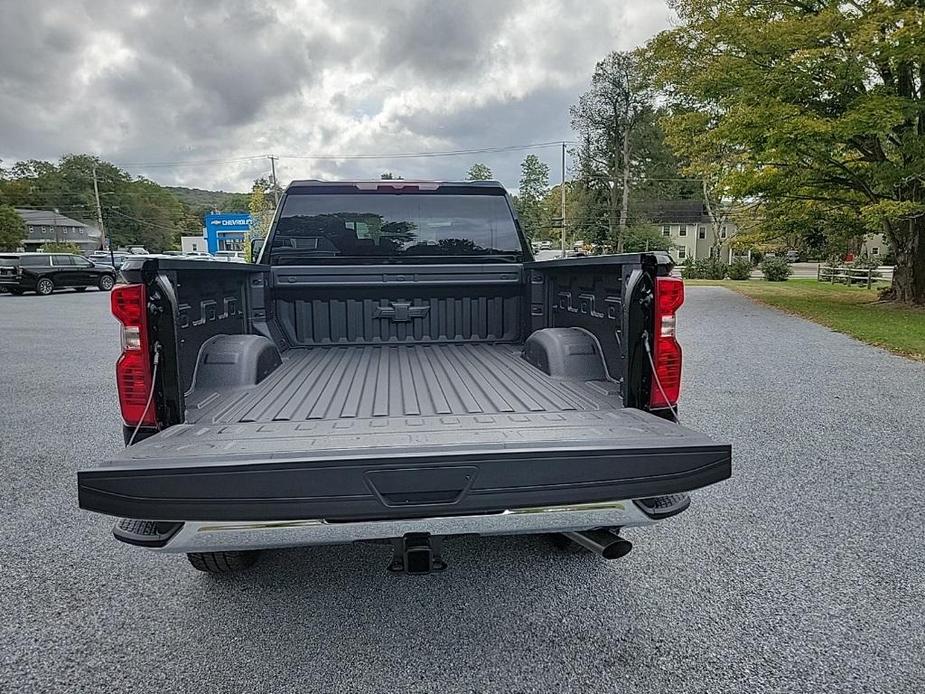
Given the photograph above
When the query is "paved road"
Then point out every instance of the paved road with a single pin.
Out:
(803, 573)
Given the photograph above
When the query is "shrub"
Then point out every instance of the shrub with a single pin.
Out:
(740, 269)
(688, 271)
(711, 268)
(54, 247)
(776, 269)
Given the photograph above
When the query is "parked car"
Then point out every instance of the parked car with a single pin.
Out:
(199, 255)
(114, 259)
(230, 256)
(43, 273)
(397, 387)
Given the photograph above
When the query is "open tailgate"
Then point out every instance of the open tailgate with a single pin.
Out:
(401, 467)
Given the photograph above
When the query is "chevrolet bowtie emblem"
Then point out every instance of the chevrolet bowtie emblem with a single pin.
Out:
(401, 312)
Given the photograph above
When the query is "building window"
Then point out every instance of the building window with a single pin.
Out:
(682, 231)
(682, 253)
(666, 230)
(722, 233)
(702, 233)
(875, 251)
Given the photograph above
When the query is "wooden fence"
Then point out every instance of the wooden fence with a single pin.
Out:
(853, 275)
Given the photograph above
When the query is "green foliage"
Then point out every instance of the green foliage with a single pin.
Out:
(740, 269)
(704, 269)
(54, 247)
(775, 269)
(815, 110)
(12, 228)
(136, 212)
(389, 176)
(645, 238)
(534, 184)
(479, 172)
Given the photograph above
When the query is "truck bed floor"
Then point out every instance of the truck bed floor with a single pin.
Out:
(402, 381)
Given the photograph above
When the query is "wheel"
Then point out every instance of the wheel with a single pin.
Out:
(44, 286)
(106, 282)
(80, 289)
(222, 562)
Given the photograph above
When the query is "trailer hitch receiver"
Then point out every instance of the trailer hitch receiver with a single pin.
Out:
(416, 554)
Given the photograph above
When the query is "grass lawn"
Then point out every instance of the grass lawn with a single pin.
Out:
(850, 310)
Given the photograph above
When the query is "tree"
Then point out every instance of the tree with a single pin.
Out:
(534, 183)
(815, 108)
(644, 237)
(479, 172)
(389, 176)
(12, 228)
(606, 118)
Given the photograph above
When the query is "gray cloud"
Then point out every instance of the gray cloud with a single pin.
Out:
(220, 79)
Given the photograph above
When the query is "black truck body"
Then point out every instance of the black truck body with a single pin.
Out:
(317, 386)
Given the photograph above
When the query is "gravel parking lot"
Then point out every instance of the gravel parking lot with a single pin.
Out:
(802, 573)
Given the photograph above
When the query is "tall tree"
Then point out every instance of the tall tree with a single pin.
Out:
(815, 109)
(606, 118)
(479, 172)
(12, 229)
(534, 184)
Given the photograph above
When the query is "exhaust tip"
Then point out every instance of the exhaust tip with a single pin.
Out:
(616, 549)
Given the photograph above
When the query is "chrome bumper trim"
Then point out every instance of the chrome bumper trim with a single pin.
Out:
(214, 536)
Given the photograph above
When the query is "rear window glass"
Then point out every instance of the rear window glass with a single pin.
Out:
(373, 225)
(33, 260)
(8, 261)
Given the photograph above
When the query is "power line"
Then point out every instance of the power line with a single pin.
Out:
(424, 155)
(393, 155)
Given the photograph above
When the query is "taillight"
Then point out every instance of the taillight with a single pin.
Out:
(666, 352)
(133, 369)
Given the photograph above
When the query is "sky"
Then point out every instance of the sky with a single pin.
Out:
(197, 93)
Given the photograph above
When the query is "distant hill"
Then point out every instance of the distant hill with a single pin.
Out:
(199, 199)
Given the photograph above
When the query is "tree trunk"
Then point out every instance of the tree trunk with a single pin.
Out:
(625, 201)
(909, 272)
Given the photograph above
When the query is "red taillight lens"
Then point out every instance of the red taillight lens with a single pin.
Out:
(669, 295)
(133, 369)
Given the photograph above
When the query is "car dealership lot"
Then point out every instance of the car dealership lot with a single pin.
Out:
(803, 572)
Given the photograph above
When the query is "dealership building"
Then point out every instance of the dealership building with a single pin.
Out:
(220, 232)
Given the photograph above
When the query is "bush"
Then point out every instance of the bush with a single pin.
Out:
(688, 271)
(53, 247)
(740, 269)
(776, 269)
(711, 268)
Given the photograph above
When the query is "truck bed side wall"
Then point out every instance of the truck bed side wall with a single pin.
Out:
(608, 296)
(189, 303)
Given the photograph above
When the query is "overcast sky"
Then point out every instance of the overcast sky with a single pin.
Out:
(208, 81)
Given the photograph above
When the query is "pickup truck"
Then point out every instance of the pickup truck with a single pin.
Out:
(396, 368)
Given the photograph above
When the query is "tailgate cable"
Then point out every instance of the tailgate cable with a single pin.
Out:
(645, 342)
(157, 359)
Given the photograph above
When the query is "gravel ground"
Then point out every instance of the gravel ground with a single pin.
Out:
(802, 573)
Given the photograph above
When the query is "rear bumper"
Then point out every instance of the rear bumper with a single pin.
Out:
(200, 536)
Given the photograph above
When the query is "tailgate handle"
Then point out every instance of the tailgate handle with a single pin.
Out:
(421, 486)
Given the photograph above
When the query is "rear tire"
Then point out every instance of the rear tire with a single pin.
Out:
(222, 562)
(106, 282)
(44, 286)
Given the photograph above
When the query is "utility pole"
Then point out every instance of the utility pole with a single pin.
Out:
(562, 199)
(99, 218)
(273, 178)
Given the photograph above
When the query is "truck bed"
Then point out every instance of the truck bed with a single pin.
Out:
(361, 383)
(379, 432)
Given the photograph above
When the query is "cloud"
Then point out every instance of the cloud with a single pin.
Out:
(142, 81)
